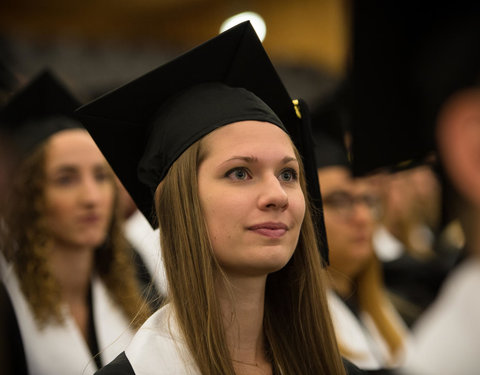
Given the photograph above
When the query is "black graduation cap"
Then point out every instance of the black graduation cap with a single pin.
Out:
(408, 58)
(43, 107)
(330, 127)
(143, 126)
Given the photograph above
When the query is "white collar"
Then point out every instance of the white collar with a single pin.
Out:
(387, 247)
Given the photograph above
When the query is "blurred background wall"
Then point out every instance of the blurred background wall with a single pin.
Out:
(97, 45)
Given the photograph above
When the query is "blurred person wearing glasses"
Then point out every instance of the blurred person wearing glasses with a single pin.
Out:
(369, 331)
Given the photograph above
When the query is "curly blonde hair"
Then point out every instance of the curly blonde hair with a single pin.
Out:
(27, 241)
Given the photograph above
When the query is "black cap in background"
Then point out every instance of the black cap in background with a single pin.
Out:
(408, 58)
(330, 128)
(40, 109)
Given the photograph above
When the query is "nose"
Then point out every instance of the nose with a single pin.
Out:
(90, 193)
(362, 213)
(272, 194)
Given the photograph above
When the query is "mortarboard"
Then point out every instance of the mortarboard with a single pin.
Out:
(40, 109)
(407, 60)
(329, 127)
(144, 126)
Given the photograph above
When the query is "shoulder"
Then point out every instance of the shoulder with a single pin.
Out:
(159, 347)
(351, 369)
(119, 366)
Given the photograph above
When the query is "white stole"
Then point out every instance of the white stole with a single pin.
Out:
(158, 347)
(61, 349)
(369, 350)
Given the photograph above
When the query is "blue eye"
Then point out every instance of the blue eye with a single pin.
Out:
(288, 175)
(238, 173)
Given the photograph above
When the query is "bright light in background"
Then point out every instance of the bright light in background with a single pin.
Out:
(255, 19)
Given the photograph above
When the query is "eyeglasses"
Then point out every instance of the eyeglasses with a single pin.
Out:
(344, 203)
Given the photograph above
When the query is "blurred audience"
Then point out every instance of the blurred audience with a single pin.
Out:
(416, 74)
(71, 289)
(448, 334)
(414, 260)
(370, 332)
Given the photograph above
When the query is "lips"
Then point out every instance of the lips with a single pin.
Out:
(362, 238)
(272, 230)
(89, 219)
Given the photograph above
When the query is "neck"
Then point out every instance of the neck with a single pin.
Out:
(73, 269)
(243, 309)
(342, 284)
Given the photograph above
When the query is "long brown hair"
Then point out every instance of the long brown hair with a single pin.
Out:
(298, 329)
(27, 241)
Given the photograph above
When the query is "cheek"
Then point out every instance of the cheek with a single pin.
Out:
(336, 230)
(298, 205)
(109, 197)
(57, 206)
(220, 213)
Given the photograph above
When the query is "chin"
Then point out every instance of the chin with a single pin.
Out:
(273, 265)
(92, 239)
(259, 268)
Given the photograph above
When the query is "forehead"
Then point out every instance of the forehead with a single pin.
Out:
(331, 178)
(73, 147)
(246, 137)
(339, 178)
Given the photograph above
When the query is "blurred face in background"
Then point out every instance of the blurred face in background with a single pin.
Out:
(79, 190)
(350, 208)
(458, 140)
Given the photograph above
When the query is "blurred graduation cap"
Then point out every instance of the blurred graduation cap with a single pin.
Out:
(43, 107)
(8, 82)
(329, 128)
(407, 60)
(145, 125)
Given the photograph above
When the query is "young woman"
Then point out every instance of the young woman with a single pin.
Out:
(69, 278)
(246, 287)
(369, 331)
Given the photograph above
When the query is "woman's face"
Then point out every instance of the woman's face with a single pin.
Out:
(251, 197)
(79, 190)
(349, 206)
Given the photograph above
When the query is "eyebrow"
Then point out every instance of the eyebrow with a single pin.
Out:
(253, 159)
(68, 168)
(65, 169)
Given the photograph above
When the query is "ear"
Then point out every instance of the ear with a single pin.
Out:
(458, 140)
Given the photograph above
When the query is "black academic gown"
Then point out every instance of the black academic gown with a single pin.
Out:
(12, 353)
(122, 366)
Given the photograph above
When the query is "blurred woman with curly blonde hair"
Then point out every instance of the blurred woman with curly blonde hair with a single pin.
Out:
(65, 265)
